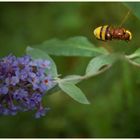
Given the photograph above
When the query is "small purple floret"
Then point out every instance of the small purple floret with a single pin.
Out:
(23, 83)
(41, 112)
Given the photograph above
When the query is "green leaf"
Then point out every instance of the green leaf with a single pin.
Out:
(74, 92)
(135, 7)
(137, 60)
(75, 46)
(97, 63)
(39, 54)
(136, 54)
(134, 58)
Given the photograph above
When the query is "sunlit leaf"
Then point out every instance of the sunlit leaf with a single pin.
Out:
(137, 60)
(134, 58)
(98, 63)
(74, 92)
(136, 54)
(75, 46)
(37, 54)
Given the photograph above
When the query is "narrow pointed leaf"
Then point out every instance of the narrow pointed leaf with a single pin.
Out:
(136, 54)
(97, 63)
(134, 58)
(74, 92)
(75, 46)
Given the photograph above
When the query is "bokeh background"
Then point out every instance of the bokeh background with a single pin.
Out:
(114, 95)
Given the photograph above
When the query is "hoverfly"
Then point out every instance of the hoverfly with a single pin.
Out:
(107, 32)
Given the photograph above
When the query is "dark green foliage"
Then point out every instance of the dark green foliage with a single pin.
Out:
(114, 94)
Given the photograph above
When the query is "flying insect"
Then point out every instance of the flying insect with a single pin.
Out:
(107, 32)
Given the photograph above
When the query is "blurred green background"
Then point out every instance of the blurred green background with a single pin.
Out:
(114, 95)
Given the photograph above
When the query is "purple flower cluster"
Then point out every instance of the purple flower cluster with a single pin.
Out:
(23, 83)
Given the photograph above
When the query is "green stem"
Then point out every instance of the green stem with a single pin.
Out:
(84, 77)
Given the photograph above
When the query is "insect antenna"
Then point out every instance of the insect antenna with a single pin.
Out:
(125, 18)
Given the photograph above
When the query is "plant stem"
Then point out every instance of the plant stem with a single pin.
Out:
(84, 77)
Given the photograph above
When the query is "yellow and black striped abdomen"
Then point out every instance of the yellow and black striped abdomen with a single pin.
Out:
(100, 32)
